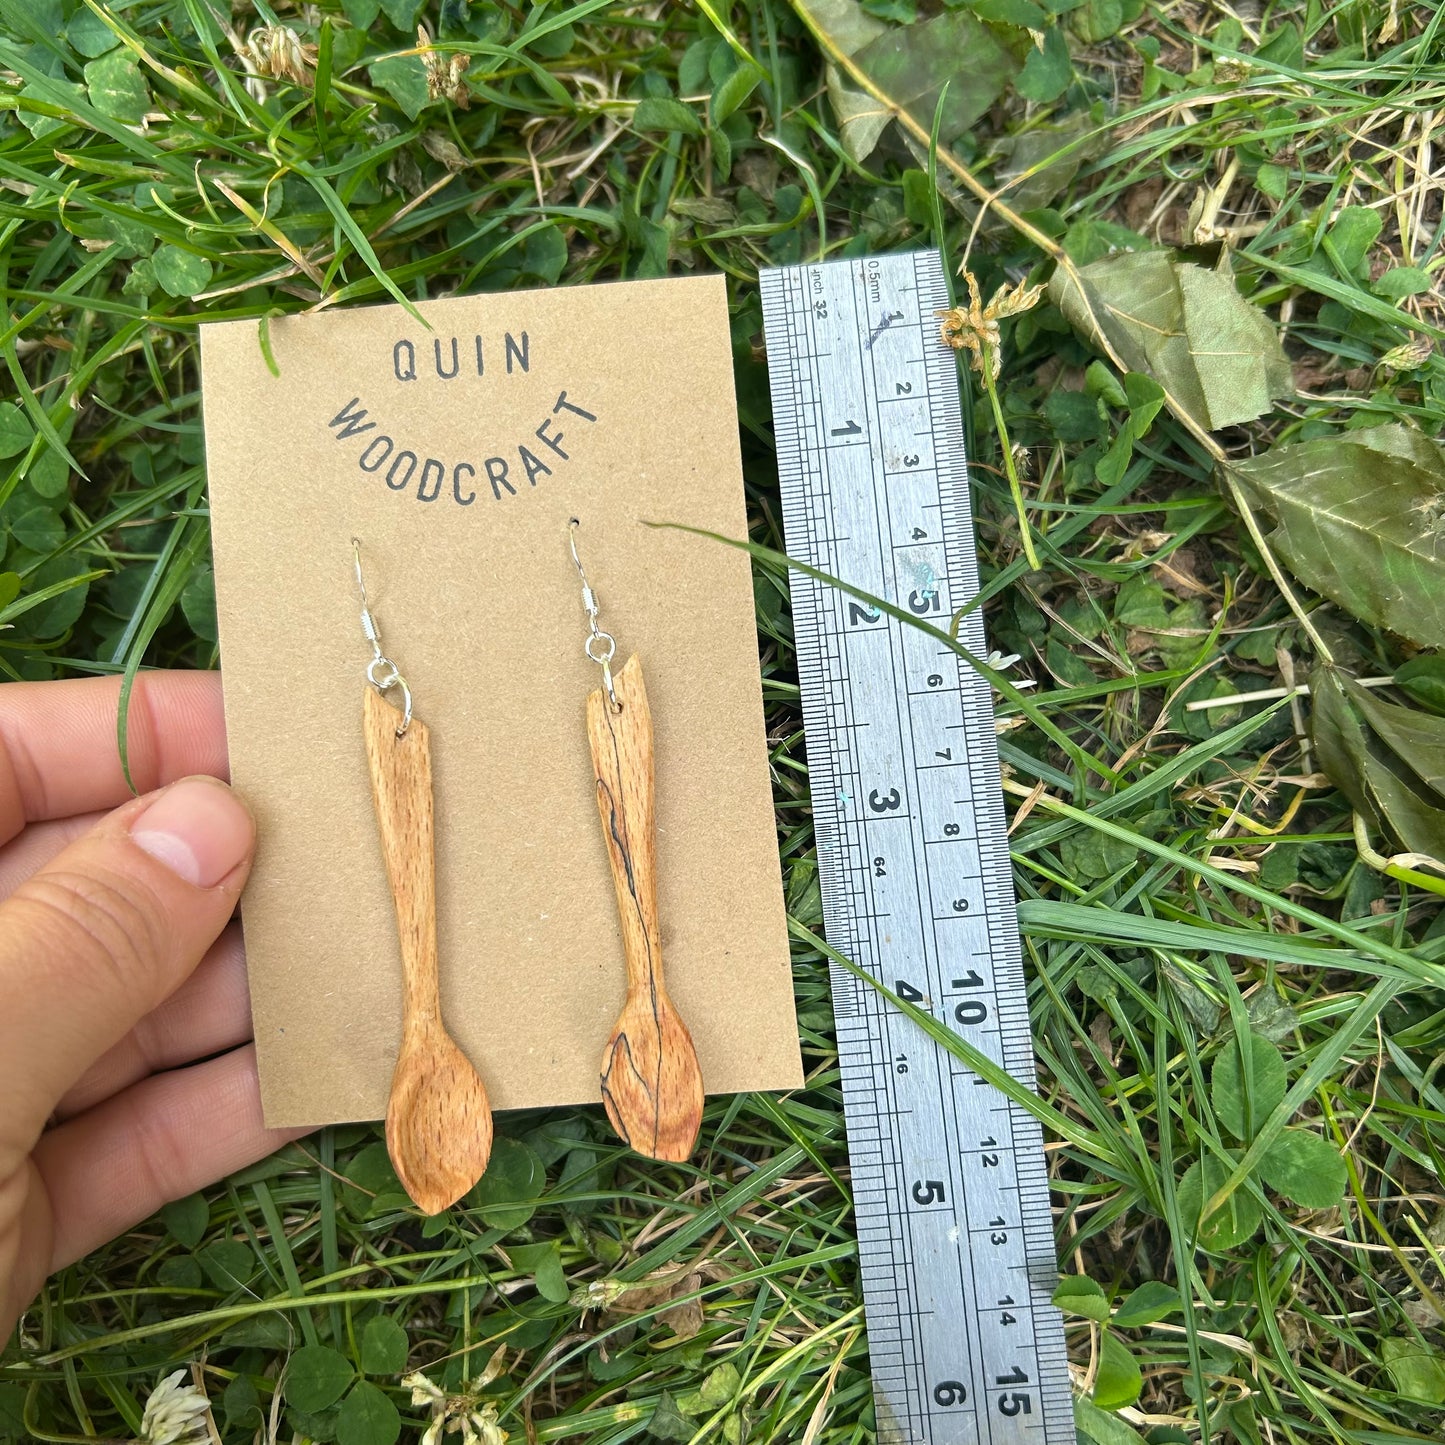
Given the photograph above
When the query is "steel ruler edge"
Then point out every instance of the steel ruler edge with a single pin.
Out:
(950, 1185)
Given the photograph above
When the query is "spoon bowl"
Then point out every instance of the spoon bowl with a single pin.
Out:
(438, 1123)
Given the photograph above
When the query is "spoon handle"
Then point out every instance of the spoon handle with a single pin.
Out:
(401, 789)
(438, 1119)
(651, 1082)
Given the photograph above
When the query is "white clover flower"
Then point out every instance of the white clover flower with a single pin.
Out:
(175, 1414)
(1001, 662)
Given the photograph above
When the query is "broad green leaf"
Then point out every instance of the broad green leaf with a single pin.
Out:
(16, 433)
(1096, 856)
(42, 125)
(668, 1422)
(49, 476)
(241, 1402)
(1350, 237)
(1102, 1426)
(180, 1271)
(544, 1263)
(1284, 47)
(1417, 738)
(198, 602)
(734, 91)
(1272, 181)
(10, 585)
(367, 1417)
(35, 526)
(845, 22)
(1305, 1168)
(1152, 1301)
(1378, 782)
(1118, 1379)
(54, 598)
(377, 1189)
(1216, 356)
(1080, 1295)
(403, 78)
(1423, 678)
(720, 1387)
(861, 120)
(403, 14)
(1241, 364)
(1098, 20)
(1023, 13)
(1270, 1017)
(1048, 69)
(1035, 165)
(316, 1377)
(544, 254)
(692, 75)
(1074, 416)
(89, 35)
(507, 1192)
(228, 1264)
(660, 113)
(117, 88)
(910, 64)
(1401, 281)
(1360, 517)
(132, 238)
(384, 1346)
(186, 1219)
(1231, 1224)
(180, 272)
(271, 1331)
(1242, 1099)
(1416, 1369)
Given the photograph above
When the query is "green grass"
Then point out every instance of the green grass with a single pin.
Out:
(1184, 877)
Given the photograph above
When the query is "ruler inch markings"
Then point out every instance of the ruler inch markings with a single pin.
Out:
(951, 1196)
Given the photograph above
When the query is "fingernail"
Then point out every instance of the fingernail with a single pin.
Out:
(198, 828)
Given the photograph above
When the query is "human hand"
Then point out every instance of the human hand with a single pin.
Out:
(120, 966)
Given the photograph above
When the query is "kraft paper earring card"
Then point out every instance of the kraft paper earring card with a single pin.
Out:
(457, 449)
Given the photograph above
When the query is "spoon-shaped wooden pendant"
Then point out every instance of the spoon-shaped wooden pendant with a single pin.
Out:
(438, 1123)
(651, 1082)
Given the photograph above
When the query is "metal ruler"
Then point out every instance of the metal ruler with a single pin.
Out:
(951, 1193)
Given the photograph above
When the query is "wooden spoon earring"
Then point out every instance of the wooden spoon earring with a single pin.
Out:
(651, 1083)
(438, 1121)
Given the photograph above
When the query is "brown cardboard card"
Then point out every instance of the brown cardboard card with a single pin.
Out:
(457, 455)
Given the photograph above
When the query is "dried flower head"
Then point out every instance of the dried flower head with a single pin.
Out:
(279, 52)
(975, 326)
(1409, 355)
(444, 73)
(465, 1413)
(1230, 71)
(175, 1414)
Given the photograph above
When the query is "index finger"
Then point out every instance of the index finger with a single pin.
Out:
(58, 750)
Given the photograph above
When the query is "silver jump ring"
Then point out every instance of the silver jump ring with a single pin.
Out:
(600, 647)
(385, 680)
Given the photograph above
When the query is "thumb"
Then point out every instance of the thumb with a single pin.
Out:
(96, 939)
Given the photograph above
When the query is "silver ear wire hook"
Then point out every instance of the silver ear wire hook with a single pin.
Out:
(600, 646)
(381, 672)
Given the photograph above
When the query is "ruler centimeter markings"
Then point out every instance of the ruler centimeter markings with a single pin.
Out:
(951, 1192)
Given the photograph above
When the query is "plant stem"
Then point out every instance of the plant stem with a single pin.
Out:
(1015, 486)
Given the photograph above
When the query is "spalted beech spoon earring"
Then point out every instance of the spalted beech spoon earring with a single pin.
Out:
(438, 1121)
(651, 1083)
